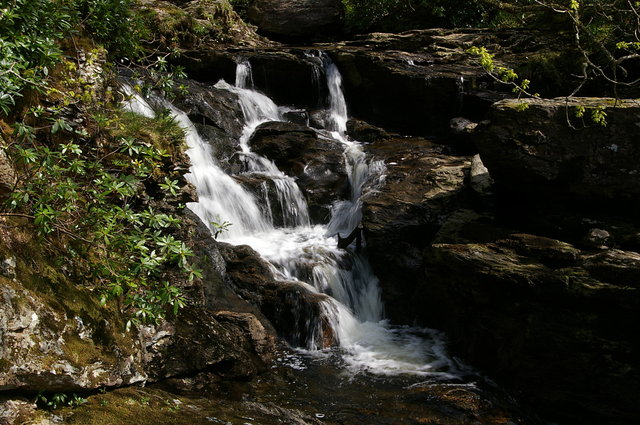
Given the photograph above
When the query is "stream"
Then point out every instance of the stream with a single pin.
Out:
(376, 372)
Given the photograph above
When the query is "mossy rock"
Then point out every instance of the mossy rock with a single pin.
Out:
(196, 24)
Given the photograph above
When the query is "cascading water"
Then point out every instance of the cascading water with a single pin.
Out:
(257, 109)
(306, 253)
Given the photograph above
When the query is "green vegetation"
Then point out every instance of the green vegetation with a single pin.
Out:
(603, 35)
(502, 74)
(57, 400)
(92, 182)
(31, 33)
(191, 26)
(90, 177)
(398, 15)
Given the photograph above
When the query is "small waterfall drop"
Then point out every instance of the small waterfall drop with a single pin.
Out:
(309, 254)
(257, 109)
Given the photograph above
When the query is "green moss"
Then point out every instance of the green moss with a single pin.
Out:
(201, 23)
(39, 273)
(163, 132)
(137, 406)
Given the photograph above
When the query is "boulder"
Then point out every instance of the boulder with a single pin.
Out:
(317, 163)
(294, 310)
(284, 143)
(553, 322)
(365, 132)
(228, 344)
(217, 115)
(479, 179)
(297, 19)
(422, 186)
(546, 150)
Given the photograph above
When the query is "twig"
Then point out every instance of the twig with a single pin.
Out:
(58, 227)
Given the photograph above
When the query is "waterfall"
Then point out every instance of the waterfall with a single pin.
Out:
(308, 253)
(244, 75)
(257, 109)
(346, 214)
(337, 103)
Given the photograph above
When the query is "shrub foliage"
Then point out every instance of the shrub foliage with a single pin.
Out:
(90, 181)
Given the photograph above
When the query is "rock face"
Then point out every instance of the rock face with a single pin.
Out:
(551, 320)
(316, 163)
(56, 337)
(546, 150)
(422, 187)
(549, 311)
(47, 345)
(297, 19)
(415, 82)
(289, 76)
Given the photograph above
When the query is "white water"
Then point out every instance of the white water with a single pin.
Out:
(306, 253)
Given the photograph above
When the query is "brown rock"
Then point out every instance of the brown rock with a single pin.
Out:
(294, 311)
(545, 150)
(316, 163)
(306, 19)
(553, 322)
(422, 187)
(7, 175)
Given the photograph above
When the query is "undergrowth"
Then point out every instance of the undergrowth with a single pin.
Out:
(91, 178)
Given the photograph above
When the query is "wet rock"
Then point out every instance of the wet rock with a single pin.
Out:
(287, 76)
(364, 132)
(318, 119)
(284, 143)
(383, 88)
(416, 81)
(316, 163)
(188, 404)
(544, 317)
(299, 19)
(297, 116)
(421, 188)
(546, 151)
(294, 311)
(217, 115)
